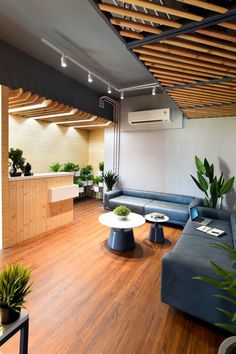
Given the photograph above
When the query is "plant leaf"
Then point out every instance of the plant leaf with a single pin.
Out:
(227, 186)
(200, 166)
(202, 181)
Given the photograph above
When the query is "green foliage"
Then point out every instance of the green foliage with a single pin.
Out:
(17, 160)
(86, 173)
(55, 167)
(101, 166)
(110, 178)
(14, 286)
(79, 181)
(97, 179)
(227, 283)
(70, 167)
(121, 210)
(208, 183)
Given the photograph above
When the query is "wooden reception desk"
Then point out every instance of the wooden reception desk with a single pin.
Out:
(30, 211)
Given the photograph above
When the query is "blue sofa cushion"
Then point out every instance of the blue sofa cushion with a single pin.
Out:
(166, 197)
(175, 211)
(135, 204)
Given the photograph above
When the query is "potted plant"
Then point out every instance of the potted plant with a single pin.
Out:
(227, 282)
(121, 212)
(86, 175)
(96, 184)
(17, 162)
(55, 167)
(101, 167)
(71, 167)
(110, 178)
(208, 183)
(14, 288)
(80, 185)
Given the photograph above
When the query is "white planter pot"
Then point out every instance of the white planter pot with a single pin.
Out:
(121, 217)
(81, 189)
(85, 183)
(225, 344)
(90, 183)
(100, 184)
(96, 188)
(77, 173)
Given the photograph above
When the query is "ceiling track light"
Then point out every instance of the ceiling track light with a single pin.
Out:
(66, 58)
(90, 78)
(63, 61)
(122, 95)
(154, 90)
(109, 89)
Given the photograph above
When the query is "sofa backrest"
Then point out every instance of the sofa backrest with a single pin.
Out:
(167, 197)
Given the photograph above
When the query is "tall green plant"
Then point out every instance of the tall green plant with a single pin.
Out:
(110, 178)
(227, 283)
(208, 183)
(14, 286)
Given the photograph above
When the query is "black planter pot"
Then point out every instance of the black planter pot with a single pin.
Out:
(8, 315)
(15, 174)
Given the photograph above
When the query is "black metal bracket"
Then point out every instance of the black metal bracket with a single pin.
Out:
(207, 22)
(200, 83)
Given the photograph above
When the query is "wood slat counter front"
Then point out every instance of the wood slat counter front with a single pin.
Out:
(30, 213)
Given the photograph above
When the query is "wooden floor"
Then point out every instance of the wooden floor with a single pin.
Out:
(88, 300)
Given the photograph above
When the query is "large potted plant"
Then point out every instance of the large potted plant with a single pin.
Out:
(17, 162)
(110, 178)
(213, 187)
(14, 287)
(227, 282)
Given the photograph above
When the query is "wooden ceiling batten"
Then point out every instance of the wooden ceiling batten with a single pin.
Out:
(138, 15)
(196, 60)
(51, 111)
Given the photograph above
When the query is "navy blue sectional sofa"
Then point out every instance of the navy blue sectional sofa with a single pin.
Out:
(190, 257)
(175, 206)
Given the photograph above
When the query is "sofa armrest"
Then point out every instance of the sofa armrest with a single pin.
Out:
(195, 202)
(109, 195)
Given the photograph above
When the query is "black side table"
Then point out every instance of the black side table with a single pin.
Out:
(22, 325)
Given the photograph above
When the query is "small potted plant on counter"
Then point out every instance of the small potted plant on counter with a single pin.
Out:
(55, 167)
(71, 167)
(14, 288)
(121, 212)
(17, 162)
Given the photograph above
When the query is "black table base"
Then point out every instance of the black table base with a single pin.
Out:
(121, 239)
(156, 233)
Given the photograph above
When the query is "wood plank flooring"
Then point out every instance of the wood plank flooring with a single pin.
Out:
(88, 300)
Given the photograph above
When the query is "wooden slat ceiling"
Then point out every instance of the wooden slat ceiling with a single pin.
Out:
(29, 105)
(191, 59)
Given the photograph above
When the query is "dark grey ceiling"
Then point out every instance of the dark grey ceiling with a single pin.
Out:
(75, 27)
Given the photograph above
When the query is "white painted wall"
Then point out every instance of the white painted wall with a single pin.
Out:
(162, 160)
(44, 143)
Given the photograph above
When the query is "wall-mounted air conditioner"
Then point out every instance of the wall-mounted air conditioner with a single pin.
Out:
(149, 117)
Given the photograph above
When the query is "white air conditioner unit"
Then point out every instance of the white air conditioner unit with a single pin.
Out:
(149, 117)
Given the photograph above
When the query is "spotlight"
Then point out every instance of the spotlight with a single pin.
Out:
(122, 95)
(154, 91)
(109, 89)
(90, 78)
(63, 61)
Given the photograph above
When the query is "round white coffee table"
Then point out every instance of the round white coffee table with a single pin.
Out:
(121, 236)
(156, 232)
